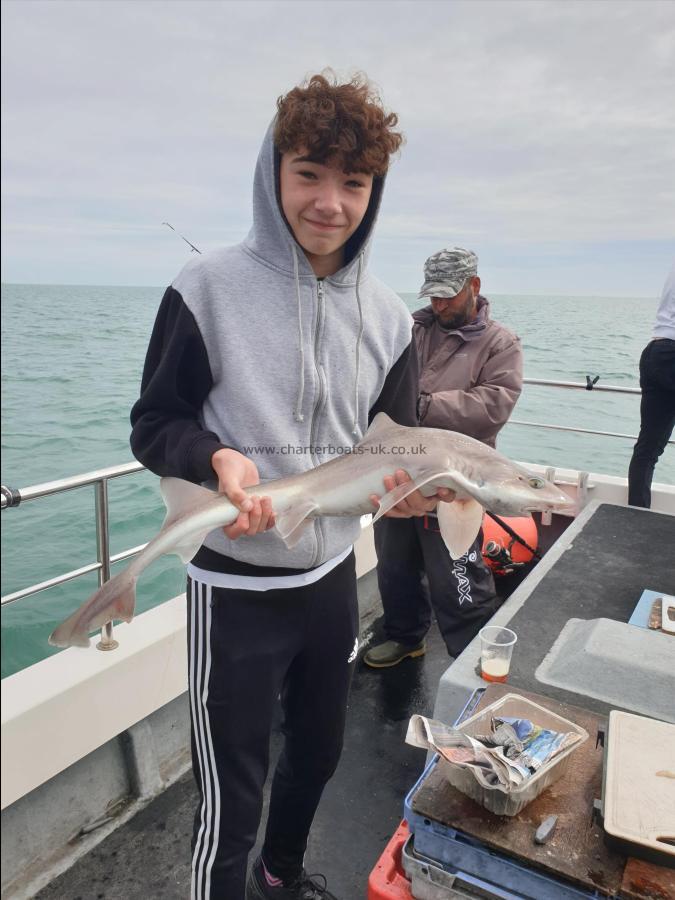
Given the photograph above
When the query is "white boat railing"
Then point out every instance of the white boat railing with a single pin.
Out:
(12, 498)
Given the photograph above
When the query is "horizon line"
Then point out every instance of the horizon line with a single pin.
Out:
(489, 294)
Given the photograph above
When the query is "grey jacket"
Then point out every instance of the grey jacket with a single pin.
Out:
(471, 379)
(251, 351)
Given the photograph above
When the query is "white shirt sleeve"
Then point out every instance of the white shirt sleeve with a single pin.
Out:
(664, 326)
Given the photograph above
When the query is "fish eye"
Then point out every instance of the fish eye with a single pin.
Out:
(535, 482)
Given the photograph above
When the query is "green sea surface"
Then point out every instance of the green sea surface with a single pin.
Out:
(71, 366)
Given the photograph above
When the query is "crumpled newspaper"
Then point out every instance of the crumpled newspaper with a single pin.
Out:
(512, 751)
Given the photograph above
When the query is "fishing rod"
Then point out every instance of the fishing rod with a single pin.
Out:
(189, 243)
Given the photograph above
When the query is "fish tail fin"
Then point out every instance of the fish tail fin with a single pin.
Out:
(115, 600)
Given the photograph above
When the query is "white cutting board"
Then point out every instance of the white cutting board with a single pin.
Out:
(639, 798)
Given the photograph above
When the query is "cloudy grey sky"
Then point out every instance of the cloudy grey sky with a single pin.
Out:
(540, 134)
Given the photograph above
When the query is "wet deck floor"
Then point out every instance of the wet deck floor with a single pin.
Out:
(149, 856)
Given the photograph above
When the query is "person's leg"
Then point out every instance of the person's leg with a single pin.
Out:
(239, 648)
(462, 591)
(662, 363)
(314, 701)
(657, 418)
(400, 566)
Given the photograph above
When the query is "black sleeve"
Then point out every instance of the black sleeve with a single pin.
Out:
(398, 397)
(167, 435)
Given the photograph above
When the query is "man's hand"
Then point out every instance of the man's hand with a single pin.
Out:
(235, 472)
(415, 504)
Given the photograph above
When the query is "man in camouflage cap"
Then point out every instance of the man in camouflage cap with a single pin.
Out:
(470, 379)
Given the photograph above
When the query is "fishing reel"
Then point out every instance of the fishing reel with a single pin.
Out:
(499, 558)
(509, 545)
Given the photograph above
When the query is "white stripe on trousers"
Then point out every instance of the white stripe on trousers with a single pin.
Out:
(200, 659)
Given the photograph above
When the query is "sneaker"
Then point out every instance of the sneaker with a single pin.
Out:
(306, 887)
(391, 653)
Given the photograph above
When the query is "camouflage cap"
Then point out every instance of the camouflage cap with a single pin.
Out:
(446, 272)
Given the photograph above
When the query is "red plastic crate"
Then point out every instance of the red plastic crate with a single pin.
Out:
(387, 880)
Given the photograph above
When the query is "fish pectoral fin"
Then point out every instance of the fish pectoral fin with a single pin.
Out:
(182, 497)
(293, 522)
(403, 490)
(459, 522)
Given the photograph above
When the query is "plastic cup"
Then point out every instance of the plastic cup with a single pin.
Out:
(496, 647)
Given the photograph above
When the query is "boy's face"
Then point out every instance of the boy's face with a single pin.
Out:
(324, 206)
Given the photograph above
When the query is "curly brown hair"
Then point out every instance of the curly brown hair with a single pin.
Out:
(344, 124)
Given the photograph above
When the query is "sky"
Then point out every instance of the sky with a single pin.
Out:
(539, 134)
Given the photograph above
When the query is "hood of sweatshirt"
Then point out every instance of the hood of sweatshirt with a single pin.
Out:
(273, 242)
(271, 238)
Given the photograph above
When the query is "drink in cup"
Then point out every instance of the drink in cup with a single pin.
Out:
(496, 647)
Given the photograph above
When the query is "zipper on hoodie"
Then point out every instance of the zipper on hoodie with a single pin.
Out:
(318, 405)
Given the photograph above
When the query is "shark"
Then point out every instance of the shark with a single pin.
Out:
(482, 479)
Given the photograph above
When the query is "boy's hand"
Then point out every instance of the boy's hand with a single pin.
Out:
(415, 504)
(235, 472)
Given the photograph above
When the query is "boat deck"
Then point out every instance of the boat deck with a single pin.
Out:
(149, 856)
(597, 569)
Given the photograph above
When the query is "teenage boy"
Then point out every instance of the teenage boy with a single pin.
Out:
(284, 339)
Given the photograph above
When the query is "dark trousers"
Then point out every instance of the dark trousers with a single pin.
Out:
(461, 592)
(245, 649)
(657, 418)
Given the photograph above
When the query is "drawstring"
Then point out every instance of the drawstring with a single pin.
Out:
(358, 349)
(299, 417)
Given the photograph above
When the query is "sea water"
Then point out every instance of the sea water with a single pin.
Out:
(71, 366)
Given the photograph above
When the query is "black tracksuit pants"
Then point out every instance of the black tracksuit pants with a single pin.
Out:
(657, 417)
(461, 592)
(246, 648)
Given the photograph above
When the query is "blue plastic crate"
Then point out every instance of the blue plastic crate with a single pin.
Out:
(470, 859)
(427, 873)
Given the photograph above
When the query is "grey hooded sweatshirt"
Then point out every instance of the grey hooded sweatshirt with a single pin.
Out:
(251, 351)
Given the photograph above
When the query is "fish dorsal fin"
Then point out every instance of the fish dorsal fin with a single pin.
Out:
(380, 423)
(182, 497)
(293, 522)
(459, 522)
(402, 490)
